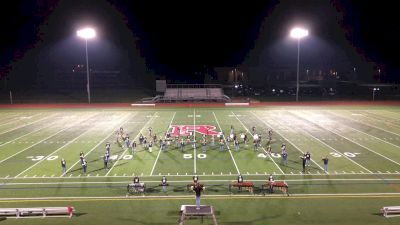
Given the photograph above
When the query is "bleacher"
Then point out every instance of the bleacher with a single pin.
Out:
(37, 212)
(390, 211)
(175, 93)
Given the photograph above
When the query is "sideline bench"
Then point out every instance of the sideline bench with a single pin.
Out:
(390, 211)
(37, 212)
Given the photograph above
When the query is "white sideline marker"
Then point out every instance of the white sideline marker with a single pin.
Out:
(168, 174)
(318, 171)
(97, 175)
(396, 171)
(379, 171)
(34, 176)
(387, 171)
(52, 175)
(70, 175)
(124, 174)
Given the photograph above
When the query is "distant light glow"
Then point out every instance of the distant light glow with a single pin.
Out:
(86, 33)
(298, 33)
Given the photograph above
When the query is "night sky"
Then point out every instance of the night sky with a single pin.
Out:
(178, 39)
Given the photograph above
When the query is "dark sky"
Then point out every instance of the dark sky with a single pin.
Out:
(178, 38)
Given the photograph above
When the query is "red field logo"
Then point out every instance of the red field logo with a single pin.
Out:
(184, 130)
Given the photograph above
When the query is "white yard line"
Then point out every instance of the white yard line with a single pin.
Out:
(194, 144)
(208, 175)
(159, 152)
(309, 134)
(39, 142)
(220, 197)
(27, 134)
(366, 124)
(336, 151)
(24, 125)
(123, 154)
(44, 158)
(189, 180)
(354, 142)
(247, 130)
(233, 159)
(369, 134)
(381, 120)
(16, 118)
(285, 139)
(113, 130)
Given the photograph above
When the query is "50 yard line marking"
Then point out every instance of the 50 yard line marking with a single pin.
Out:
(159, 152)
(233, 159)
(247, 130)
(122, 155)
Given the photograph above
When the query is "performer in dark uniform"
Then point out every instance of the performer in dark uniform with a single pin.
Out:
(304, 162)
(164, 184)
(198, 188)
(136, 180)
(271, 183)
(240, 180)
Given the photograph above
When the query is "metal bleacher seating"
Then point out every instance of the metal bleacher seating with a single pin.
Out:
(37, 212)
(194, 92)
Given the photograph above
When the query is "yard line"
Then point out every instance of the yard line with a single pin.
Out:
(361, 173)
(24, 125)
(184, 181)
(247, 130)
(194, 141)
(44, 158)
(16, 118)
(39, 142)
(382, 120)
(26, 134)
(309, 134)
(354, 142)
(367, 124)
(159, 152)
(116, 127)
(285, 138)
(372, 135)
(233, 159)
(123, 153)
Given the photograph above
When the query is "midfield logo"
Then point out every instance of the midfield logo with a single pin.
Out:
(184, 130)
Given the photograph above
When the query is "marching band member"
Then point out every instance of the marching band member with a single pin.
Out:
(164, 184)
(236, 143)
(136, 180)
(240, 180)
(63, 166)
(271, 183)
(133, 146)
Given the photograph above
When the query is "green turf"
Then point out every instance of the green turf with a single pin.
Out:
(362, 143)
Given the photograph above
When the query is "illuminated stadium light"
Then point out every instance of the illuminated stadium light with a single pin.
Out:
(298, 33)
(86, 33)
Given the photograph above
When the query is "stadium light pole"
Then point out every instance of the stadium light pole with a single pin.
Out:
(87, 33)
(298, 33)
(373, 93)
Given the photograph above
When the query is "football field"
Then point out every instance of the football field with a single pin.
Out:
(362, 144)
